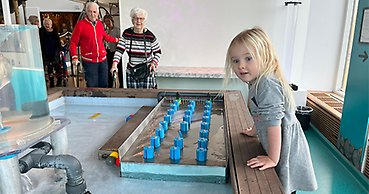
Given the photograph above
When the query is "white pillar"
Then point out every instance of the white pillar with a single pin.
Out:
(10, 179)
(6, 12)
(290, 31)
(59, 141)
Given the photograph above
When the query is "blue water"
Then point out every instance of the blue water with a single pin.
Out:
(333, 174)
(29, 87)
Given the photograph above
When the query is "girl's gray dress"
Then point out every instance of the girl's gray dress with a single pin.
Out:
(268, 107)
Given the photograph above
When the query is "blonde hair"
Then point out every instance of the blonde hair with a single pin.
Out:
(258, 43)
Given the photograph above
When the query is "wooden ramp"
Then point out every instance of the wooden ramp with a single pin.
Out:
(124, 132)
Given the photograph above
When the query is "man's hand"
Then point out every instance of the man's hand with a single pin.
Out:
(75, 62)
(261, 162)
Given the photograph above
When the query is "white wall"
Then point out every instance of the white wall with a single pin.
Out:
(323, 44)
(197, 32)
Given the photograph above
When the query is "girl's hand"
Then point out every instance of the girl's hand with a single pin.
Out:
(251, 131)
(247, 131)
(263, 162)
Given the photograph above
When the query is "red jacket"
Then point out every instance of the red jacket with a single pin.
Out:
(91, 41)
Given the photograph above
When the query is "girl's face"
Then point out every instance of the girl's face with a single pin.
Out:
(243, 64)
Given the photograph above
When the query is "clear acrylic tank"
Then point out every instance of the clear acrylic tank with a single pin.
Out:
(24, 107)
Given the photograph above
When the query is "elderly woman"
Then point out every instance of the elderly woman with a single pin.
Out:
(143, 51)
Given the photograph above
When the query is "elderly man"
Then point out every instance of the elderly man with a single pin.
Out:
(90, 34)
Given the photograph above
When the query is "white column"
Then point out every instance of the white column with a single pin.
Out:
(290, 31)
(6, 12)
(59, 141)
(10, 179)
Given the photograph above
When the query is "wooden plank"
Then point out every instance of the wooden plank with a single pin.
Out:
(242, 186)
(244, 148)
(260, 175)
(231, 164)
(124, 132)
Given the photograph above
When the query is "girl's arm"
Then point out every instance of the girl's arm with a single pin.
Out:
(274, 150)
(274, 143)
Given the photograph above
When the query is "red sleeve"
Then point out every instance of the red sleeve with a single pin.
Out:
(107, 37)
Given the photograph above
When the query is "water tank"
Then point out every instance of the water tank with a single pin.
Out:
(23, 95)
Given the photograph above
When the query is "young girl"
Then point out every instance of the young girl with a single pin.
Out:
(252, 58)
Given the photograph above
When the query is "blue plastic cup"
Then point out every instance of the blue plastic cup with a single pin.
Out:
(184, 126)
(187, 118)
(205, 125)
(155, 141)
(168, 118)
(164, 125)
(201, 154)
(204, 133)
(175, 153)
(148, 152)
(188, 112)
(160, 132)
(206, 119)
(202, 143)
(178, 142)
(174, 107)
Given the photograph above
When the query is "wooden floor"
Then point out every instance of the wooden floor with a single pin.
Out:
(240, 148)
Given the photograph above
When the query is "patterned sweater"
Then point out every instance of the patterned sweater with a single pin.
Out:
(136, 45)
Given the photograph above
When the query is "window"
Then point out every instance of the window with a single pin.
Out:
(347, 47)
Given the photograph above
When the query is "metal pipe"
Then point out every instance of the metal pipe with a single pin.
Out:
(38, 159)
(29, 161)
(75, 184)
